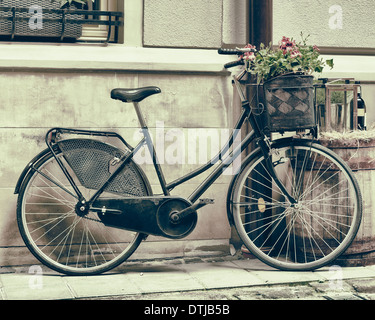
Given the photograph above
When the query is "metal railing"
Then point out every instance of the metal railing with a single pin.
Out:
(64, 17)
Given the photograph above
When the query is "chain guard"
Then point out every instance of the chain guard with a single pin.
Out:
(149, 215)
(171, 229)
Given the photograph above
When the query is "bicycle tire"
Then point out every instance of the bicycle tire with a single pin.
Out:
(305, 236)
(56, 235)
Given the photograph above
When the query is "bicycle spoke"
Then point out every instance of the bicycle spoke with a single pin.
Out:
(310, 232)
(64, 240)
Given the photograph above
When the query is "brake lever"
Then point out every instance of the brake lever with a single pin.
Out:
(244, 50)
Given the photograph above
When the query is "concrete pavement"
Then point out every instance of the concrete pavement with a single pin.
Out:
(220, 278)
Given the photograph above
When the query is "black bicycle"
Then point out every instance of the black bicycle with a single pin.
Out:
(85, 205)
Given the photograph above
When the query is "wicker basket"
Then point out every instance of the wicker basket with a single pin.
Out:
(50, 28)
(289, 103)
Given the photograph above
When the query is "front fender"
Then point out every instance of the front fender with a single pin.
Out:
(232, 184)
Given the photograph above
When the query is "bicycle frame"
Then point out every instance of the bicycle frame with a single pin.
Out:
(256, 133)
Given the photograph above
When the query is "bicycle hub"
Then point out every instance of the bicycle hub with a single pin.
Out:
(82, 209)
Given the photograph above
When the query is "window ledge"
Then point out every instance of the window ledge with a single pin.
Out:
(114, 57)
(349, 66)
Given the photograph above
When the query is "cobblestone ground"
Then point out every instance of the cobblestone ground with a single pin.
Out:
(356, 289)
(195, 280)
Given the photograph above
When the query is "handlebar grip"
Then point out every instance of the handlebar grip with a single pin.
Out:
(234, 64)
(229, 51)
(237, 51)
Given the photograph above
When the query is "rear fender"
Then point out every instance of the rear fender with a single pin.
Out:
(28, 168)
(56, 148)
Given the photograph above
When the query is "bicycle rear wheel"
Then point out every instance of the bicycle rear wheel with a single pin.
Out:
(48, 220)
(314, 231)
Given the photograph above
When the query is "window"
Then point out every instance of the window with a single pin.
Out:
(41, 20)
(99, 32)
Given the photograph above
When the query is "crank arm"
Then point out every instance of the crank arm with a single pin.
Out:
(177, 216)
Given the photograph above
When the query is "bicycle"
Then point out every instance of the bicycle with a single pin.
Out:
(84, 205)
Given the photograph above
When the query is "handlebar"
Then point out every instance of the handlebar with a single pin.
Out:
(234, 64)
(237, 51)
(229, 51)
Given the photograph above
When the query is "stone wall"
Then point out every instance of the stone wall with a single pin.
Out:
(77, 94)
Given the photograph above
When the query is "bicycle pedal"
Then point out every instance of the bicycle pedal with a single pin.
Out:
(202, 203)
(207, 201)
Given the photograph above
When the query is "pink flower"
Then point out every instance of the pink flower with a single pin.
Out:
(316, 48)
(295, 54)
(287, 45)
(249, 56)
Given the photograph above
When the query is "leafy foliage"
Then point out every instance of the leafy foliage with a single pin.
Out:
(289, 57)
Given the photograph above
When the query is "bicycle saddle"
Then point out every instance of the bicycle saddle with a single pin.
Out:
(133, 95)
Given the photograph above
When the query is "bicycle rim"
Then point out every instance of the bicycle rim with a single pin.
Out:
(314, 231)
(57, 236)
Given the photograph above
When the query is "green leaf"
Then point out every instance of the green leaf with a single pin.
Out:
(295, 63)
(330, 63)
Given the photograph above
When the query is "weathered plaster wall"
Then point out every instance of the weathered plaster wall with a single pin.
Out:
(335, 23)
(193, 23)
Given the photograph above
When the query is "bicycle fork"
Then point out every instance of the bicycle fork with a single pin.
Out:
(266, 149)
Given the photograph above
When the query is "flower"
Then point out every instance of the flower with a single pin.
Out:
(288, 57)
(316, 48)
(287, 45)
(296, 54)
(249, 56)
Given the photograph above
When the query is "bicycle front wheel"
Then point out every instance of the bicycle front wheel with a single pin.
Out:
(50, 226)
(316, 229)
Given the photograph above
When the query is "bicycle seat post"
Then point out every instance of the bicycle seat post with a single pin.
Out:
(150, 147)
(140, 116)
